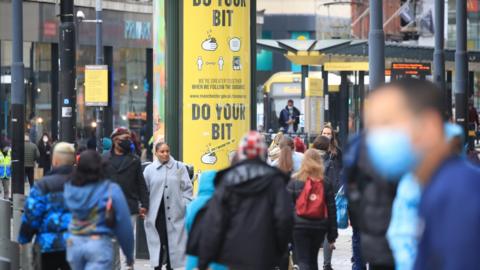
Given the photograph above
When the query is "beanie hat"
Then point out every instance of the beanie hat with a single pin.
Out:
(119, 131)
(252, 146)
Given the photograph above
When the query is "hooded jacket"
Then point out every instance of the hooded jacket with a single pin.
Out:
(329, 224)
(87, 205)
(248, 221)
(206, 189)
(129, 176)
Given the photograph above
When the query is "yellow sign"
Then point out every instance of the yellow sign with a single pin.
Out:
(96, 85)
(216, 80)
(314, 87)
(346, 66)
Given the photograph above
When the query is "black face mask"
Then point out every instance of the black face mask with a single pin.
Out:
(125, 146)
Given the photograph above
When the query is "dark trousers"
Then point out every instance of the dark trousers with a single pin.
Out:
(381, 267)
(55, 261)
(357, 262)
(29, 174)
(161, 226)
(306, 245)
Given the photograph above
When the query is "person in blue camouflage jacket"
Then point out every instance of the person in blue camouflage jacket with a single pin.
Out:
(46, 217)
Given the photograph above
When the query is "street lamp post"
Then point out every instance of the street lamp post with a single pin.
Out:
(99, 61)
(376, 44)
(67, 72)
(439, 51)
(461, 65)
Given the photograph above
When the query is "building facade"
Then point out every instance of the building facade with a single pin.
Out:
(127, 38)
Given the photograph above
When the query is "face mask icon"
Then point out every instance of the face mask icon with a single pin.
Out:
(235, 44)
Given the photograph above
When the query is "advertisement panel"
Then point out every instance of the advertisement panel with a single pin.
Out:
(216, 80)
(158, 71)
(96, 85)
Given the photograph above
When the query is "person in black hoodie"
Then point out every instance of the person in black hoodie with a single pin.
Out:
(124, 168)
(248, 221)
(309, 233)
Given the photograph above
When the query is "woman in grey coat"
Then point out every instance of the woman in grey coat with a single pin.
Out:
(170, 191)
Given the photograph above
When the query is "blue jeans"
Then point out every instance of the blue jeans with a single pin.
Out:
(90, 252)
(357, 263)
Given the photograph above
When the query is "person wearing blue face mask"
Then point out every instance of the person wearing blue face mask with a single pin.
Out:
(402, 231)
(405, 117)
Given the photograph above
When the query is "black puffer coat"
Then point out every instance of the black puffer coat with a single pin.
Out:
(370, 203)
(329, 225)
(248, 221)
(129, 176)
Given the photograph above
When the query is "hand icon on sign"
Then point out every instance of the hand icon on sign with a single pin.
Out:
(210, 44)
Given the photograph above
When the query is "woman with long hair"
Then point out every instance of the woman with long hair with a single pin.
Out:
(315, 213)
(334, 148)
(289, 161)
(99, 213)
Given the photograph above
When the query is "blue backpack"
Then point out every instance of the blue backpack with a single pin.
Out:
(341, 204)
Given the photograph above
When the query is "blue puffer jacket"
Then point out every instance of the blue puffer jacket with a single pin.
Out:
(205, 192)
(45, 213)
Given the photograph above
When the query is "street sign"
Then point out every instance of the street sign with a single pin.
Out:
(216, 80)
(96, 85)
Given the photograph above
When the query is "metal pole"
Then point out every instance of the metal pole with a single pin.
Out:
(67, 72)
(173, 88)
(376, 44)
(99, 61)
(149, 78)
(461, 64)
(343, 116)
(304, 79)
(439, 51)
(326, 95)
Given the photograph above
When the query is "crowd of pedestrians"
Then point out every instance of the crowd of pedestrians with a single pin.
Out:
(407, 178)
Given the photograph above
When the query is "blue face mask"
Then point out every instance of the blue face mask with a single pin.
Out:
(391, 153)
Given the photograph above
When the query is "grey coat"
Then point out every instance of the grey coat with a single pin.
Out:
(171, 182)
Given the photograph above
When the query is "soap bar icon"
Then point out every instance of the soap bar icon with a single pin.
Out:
(235, 44)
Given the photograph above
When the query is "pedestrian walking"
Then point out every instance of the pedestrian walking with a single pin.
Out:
(248, 221)
(407, 116)
(31, 155)
(299, 145)
(289, 160)
(45, 150)
(315, 212)
(170, 191)
(402, 231)
(274, 148)
(334, 150)
(45, 214)
(99, 214)
(196, 209)
(124, 168)
(332, 173)
(5, 171)
(289, 118)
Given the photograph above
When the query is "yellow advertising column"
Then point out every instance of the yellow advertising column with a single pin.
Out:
(216, 80)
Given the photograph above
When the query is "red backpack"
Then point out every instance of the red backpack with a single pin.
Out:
(311, 202)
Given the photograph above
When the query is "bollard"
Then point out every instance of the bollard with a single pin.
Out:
(4, 263)
(18, 202)
(5, 232)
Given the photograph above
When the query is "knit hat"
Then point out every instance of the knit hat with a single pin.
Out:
(119, 131)
(252, 146)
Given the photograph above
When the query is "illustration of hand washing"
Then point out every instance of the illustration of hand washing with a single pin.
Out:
(210, 44)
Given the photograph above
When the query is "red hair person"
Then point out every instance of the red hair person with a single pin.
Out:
(299, 145)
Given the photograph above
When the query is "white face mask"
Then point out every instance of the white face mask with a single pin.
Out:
(45, 139)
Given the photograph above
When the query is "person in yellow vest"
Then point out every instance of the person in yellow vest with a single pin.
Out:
(5, 171)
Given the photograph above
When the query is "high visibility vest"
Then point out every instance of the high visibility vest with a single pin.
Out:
(5, 164)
